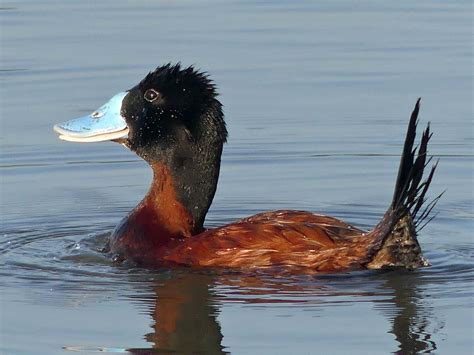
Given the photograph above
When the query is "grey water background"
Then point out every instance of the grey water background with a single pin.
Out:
(317, 96)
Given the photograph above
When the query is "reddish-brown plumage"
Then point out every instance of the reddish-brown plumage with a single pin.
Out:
(157, 222)
(159, 232)
(279, 238)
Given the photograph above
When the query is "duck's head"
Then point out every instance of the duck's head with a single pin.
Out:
(171, 119)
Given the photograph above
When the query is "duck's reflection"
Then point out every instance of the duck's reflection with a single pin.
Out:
(184, 317)
(186, 306)
(411, 315)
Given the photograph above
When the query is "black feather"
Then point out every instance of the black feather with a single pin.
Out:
(410, 191)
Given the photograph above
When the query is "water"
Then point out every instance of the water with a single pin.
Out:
(317, 97)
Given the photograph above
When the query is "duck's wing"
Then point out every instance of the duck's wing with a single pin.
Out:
(279, 238)
(320, 226)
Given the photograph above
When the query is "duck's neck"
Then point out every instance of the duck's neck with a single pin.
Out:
(195, 181)
(158, 219)
(179, 197)
(174, 208)
(163, 207)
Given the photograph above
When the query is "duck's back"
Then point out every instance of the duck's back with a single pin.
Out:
(278, 238)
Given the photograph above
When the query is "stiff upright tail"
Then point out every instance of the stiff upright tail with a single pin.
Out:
(410, 192)
(395, 242)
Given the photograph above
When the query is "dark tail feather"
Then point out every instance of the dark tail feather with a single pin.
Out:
(410, 191)
(394, 237)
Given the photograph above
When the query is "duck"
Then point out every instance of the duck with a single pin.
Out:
(174, 121)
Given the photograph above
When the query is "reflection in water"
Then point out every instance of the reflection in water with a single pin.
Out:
(409, 313)
(184, 316)
(186, 306)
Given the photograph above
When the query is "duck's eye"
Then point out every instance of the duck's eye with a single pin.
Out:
(151, 95)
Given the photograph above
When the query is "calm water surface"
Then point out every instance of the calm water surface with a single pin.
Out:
(317, 97)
